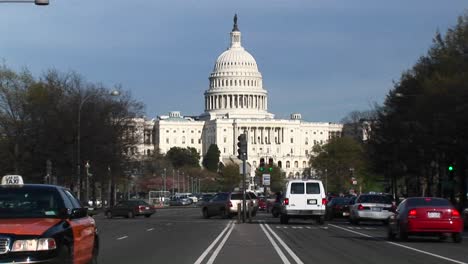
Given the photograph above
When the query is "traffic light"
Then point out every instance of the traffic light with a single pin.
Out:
(242, 147)
(451, 168)
(270, 165)
(261, 167)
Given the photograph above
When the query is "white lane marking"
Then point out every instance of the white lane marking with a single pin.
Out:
(120, 238)
(275, 246)
(150, 229)
(403, 246)
(308, 227)
(203, 255)
(220, 246)
(324, 227)
(291, 253)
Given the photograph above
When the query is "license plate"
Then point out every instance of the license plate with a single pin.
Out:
(376, 209)
(433, 214)
(147, 208)
(312, 201)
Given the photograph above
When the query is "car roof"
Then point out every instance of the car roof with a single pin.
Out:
(305, 181)
(33, 186)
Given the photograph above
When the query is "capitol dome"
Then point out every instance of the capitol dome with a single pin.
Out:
(236, 85)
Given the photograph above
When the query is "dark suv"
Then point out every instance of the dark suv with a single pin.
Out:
(225, 204)
(130, 209)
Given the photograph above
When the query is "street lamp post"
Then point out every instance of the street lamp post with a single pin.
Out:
(78, 144)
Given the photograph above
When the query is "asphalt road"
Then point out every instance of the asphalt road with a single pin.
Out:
(181, 235)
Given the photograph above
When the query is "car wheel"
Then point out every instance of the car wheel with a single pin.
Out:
(109, 215)
(147, 215)
(275, 213)
(403, 235)
(457, 237)
(65, 255)
(284, 219)
(205, 213)
(130, 214)
(390, 234)
(321, 220)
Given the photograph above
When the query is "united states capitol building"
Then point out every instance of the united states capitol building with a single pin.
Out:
(235, 103)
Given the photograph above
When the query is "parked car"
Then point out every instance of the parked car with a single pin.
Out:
(465, 216)
(204, 199)
(337, 207)
(225, 204)
(303, 199)
(377, 207)
(130, 209)
(425, 216)
(179, 201)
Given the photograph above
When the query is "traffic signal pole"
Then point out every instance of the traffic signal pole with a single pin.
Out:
(242, 151)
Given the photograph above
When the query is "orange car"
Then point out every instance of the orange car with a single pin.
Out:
(44, 224)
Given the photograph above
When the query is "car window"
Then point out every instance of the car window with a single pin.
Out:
(297, 188)
(220, 197)
(239, 196)
(374, 199)
(312, 188)
(422, 202)
(75, 202)
(340, 201)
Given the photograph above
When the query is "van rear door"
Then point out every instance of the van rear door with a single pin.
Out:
(313, 196)
(296, 198)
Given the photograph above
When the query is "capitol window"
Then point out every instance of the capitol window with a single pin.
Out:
(288, 165)
(296, 164)
(292, 140)
(167, 140)
(192, 141)
(183, 140)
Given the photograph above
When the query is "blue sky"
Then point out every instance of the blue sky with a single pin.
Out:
(321, 58)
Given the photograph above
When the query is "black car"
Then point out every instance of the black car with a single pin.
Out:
(337, 207)
(130, 209)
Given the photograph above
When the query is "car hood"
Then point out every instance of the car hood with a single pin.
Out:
(29, 226)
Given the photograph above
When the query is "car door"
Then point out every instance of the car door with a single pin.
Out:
(313, 196)
(84, 230)
(296, 198)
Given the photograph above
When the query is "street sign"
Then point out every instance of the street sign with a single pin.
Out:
(266, 179)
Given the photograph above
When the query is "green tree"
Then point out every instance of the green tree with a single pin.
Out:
(339, 160)
(211, 158)
(229, 177)
(181, 157)
(277, 178)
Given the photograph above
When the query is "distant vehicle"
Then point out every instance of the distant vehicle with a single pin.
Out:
(303, 199)
(180, 201)
(42, 223)
(337, 207)
(226, 204)
(425, 216)
(375, 207)
(204, 199)
(262, 204)
(130, 209)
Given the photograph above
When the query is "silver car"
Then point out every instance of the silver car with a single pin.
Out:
(371, 207)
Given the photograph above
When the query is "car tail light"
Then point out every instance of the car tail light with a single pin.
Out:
(141, 208)
(360, 207)
(412, 213)
(286, 201)
(324, 201)
(455, 213)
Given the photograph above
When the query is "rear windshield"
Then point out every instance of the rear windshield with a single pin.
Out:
(312, 188)
(239, 196)
(30, 203)
(297, 188)
(422, 202)
(374, 199)
(340, 201)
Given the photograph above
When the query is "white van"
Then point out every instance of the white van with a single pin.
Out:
(303, 199)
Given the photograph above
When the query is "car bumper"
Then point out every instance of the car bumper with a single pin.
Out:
(303, 212)
(373, 215)
(434, 226)
(28, 257)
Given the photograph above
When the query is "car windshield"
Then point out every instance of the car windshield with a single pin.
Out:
(374, 199)
(29, 203)
(424, 202)
(340, 201)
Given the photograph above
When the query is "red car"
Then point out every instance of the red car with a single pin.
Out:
(426, 216)
(262, 204)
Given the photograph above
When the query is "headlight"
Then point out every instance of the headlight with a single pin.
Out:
(40, 244)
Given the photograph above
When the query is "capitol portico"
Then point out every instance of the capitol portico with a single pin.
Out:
(236, 102)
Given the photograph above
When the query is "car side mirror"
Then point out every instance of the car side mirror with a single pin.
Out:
(78, 213)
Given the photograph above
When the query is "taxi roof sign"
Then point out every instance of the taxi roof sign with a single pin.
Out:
(12, 180)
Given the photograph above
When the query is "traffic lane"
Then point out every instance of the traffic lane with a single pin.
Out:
(154, 240)
(327, 244)
(432, 245)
